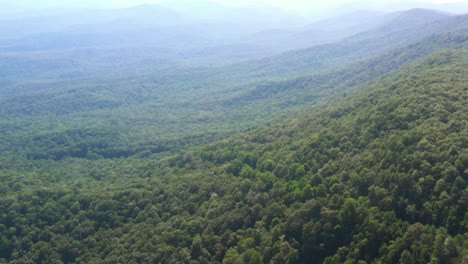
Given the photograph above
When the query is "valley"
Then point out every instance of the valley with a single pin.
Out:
(137, 142)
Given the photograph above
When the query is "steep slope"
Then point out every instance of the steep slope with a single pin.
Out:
(376, 176)
(395, 150)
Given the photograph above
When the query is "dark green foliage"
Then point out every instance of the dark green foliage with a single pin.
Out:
(378, 176)
(361, 164)
(162, 110)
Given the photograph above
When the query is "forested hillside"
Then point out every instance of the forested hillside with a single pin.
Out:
(126, 138)
(377, 175)
(165, 114)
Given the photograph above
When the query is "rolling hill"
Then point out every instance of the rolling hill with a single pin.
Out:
(349, 152)
(375, 176)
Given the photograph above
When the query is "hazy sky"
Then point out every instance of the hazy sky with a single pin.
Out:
(293, 5)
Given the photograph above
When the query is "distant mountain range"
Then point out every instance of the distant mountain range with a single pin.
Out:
(177, 38)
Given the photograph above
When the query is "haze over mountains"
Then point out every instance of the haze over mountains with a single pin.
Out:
(205, 133)
(96, 57)
(186, 28)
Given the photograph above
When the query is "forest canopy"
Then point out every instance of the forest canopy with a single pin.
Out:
(350, 152)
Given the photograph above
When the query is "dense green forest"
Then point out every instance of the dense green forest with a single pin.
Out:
(378, 175)
(351, 152)
(122, 118)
